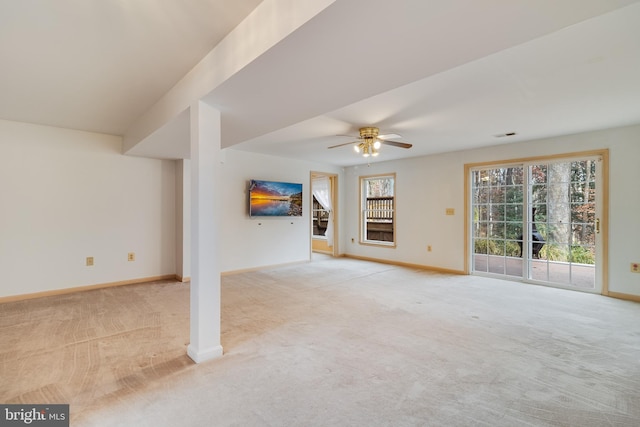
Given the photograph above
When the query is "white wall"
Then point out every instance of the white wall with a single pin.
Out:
(66, 195)
(249, 243)
(426, 186)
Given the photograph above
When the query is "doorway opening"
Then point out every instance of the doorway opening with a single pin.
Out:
(324, 229)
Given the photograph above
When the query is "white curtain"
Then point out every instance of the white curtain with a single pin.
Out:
(321, 189)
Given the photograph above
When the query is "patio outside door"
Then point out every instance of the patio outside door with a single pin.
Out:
(539, 221)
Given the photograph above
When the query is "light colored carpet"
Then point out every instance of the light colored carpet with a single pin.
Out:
(335, 342)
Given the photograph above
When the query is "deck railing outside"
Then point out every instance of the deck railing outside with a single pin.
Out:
(379, 216)
(379, 209)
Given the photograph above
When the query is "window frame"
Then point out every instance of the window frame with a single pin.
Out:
(363, 211)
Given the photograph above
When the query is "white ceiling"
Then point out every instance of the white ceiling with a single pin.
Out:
(536, 68)
(445, 74)
(98, 65)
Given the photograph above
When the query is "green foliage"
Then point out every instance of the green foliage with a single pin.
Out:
(554, 253)
(582, 255)
(579, 254)
(484, 246)
(512, 249)
(496, 247)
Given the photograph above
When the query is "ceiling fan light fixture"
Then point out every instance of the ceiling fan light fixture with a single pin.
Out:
(370, 142)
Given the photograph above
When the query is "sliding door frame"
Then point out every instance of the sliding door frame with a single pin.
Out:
(604, 218)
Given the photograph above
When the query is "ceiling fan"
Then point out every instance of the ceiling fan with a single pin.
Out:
(370, 141)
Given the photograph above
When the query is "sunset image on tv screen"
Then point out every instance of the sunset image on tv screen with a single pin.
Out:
(269, 198)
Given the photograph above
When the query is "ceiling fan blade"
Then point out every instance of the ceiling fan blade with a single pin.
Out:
(397, 144)
(389, 136)
(346, 143)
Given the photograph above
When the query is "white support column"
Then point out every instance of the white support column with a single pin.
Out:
(205, 270)
(183, 220)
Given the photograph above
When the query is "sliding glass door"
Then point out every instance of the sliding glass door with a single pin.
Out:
(563, 206)
(497, 209)
(538, 221)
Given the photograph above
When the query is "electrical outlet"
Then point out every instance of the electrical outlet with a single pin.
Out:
(450, 211)
(635, 267)
(131, 256)
(89, 261)
(428, 248)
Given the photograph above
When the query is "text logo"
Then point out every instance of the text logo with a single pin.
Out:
(34, 415)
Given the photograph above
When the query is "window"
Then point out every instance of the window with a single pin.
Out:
(378, 210)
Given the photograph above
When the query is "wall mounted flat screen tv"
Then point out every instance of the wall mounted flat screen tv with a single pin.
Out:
(270, 198)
